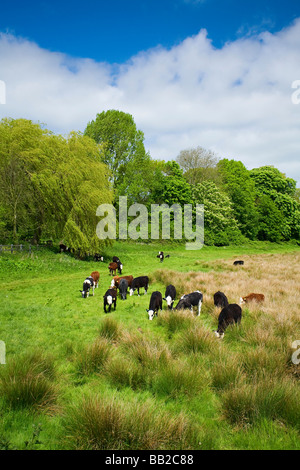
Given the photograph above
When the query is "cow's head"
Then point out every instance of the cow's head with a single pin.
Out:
(150, 313)
(169, 301)
(219, 334)
(84, 293)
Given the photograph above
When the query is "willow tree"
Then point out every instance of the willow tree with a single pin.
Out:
(65, 181)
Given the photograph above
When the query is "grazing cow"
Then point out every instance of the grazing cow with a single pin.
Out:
(160, 256)
(123, 286)
(120, 265)
(170, 295)
(97, 257)
(220, 299)
(63, 248)
(116, 280)
(194, 299)
(112, 268)
(252, 298)
(110, 297)
(87, 284)
(138, 282)
(229, 315)
(155, 304)
(238, 262)
(96, 276)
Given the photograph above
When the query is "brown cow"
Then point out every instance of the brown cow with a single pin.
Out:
(112, 268)
(96, 276)
(252, 298)
(116, 279)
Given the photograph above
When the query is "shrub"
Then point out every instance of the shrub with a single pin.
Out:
(27, 381)
(175, 320)
(92, 359)
(101, 423)
(196, 339)
(110, 329)
(267, 398)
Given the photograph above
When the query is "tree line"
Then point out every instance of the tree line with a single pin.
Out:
(51, 186)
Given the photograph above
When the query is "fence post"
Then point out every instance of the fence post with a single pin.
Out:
(11, 248)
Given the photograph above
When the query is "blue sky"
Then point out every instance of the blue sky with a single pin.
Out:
(115, 30)
(212, 73)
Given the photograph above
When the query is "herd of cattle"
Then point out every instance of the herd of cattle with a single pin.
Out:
(230, 313)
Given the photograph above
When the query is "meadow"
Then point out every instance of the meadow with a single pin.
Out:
(77, 378)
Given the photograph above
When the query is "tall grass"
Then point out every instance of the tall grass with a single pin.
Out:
(92, 358)
(239, 392)
(28, 381)
(101, 423)
(263, 398)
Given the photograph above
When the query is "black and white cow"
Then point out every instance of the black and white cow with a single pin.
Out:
(138, 283)
(238, 262)
(87, 285)
(123, 286)
(120, 265)
(161, 256)
(230, 314)
(170, 295)
(63, 248)
(155, 304)
(98, 257)
(110, 297)
(194, 299)
(220, 299)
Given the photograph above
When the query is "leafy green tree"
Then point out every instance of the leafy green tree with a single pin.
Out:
(241, 190)
(122, 140)
(20, 141)
(220, 226)
(141, 181)
(271, 224)
(62, 182)
(271, 182)
(173, 189)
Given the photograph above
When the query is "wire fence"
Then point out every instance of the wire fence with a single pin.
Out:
(18, 248)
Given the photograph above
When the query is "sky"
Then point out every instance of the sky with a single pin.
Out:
(220, 74)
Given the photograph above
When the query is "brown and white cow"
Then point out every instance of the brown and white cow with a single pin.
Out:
(96, 276)
(116, 280)
(259, 298)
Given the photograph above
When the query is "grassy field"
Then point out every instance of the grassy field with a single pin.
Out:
(77, 378)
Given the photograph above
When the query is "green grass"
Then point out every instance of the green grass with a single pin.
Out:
(77, 378)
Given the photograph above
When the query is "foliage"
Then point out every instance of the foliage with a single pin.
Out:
(270, 220)
(220, 226)
(51, 186)
(123, 142)
(174, 189)
(271, 182)
(241, 189)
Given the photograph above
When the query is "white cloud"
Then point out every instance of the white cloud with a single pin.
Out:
(236, 100)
